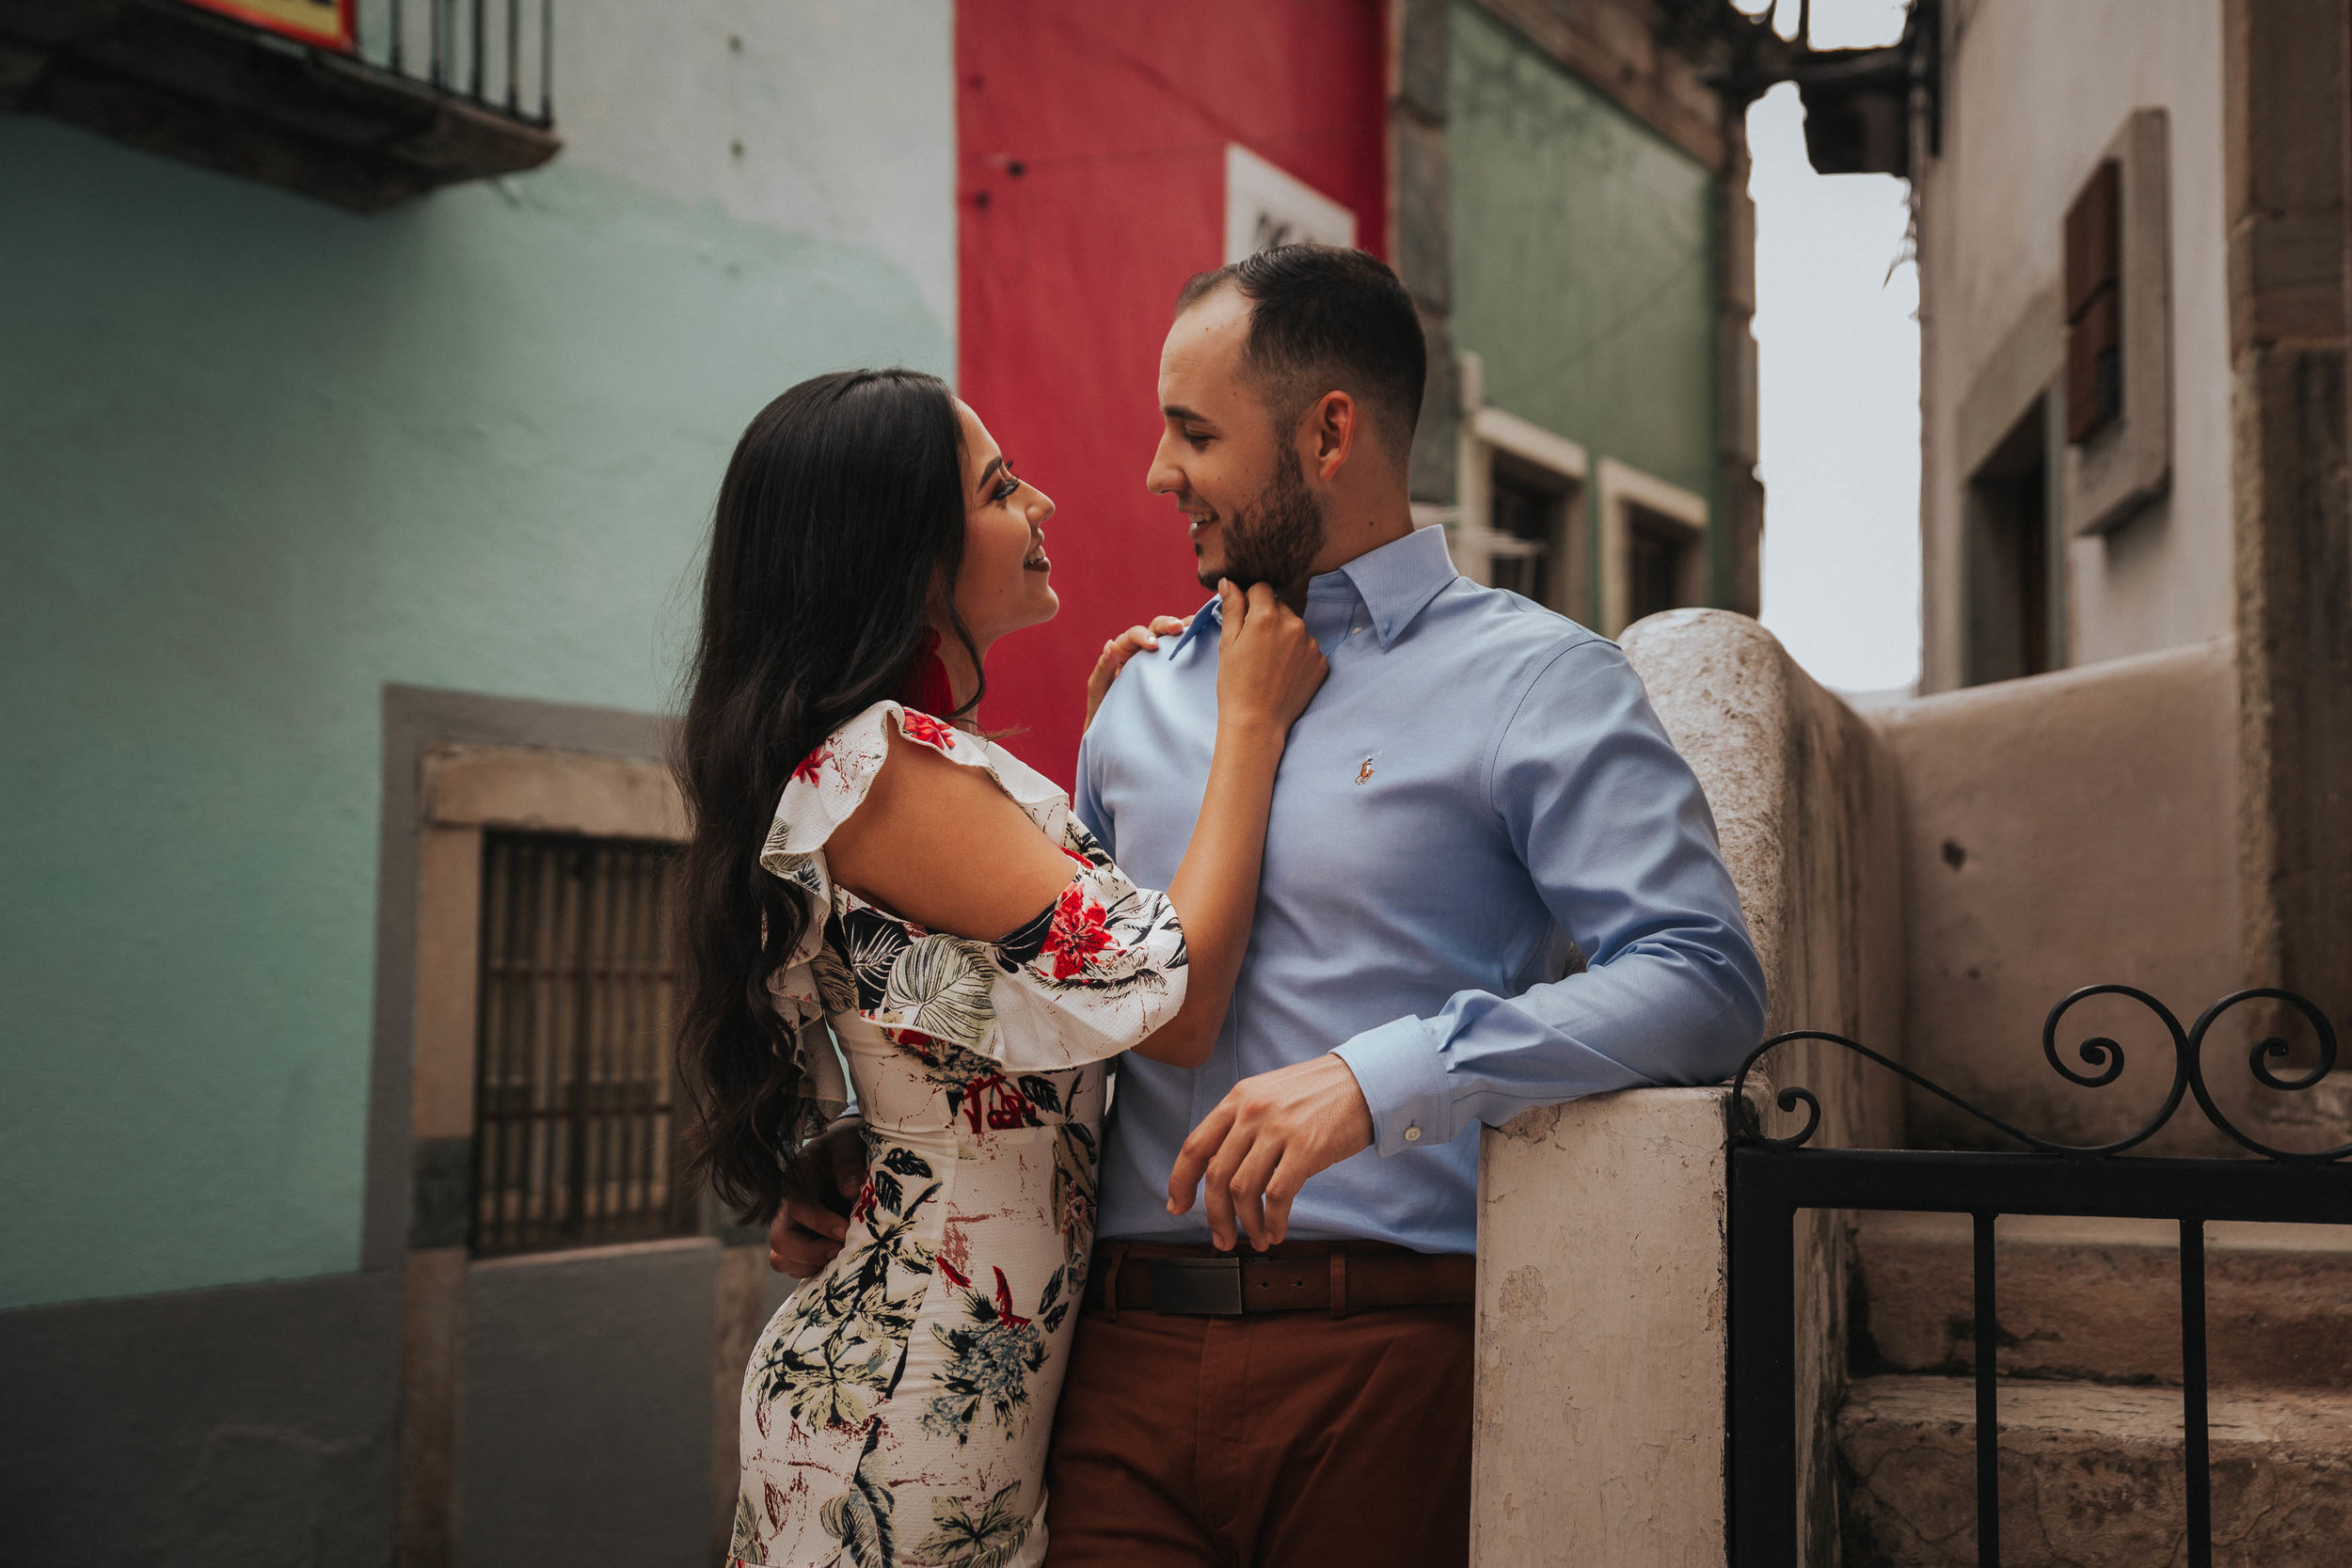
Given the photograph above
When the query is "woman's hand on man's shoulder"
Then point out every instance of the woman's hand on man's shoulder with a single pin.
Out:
(1120, 649)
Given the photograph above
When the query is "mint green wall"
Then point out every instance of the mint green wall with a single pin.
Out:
(258, 457)
(1583, 260)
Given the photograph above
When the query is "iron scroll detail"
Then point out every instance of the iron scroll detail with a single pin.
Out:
(2103, 1063)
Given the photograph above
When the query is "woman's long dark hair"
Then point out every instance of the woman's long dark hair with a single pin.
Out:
(840, 532)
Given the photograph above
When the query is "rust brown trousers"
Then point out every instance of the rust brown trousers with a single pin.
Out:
(1277, 1439)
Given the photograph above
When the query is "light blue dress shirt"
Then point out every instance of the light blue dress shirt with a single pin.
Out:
(1478, 785)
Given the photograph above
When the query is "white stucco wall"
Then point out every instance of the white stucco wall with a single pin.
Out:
(814, 118)
(2124, 871)
(2035, 91)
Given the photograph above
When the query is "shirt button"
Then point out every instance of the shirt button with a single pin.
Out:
(1412, 1135)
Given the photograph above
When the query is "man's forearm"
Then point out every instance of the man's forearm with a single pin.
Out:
(1667, 1011)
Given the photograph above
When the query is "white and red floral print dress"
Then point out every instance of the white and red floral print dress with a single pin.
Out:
(896, 1408)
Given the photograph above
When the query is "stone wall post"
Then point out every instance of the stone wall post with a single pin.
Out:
(1601, 1333)
(1603, 1302)
(2286, 169)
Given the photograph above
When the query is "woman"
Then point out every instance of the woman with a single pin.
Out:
(865, 861)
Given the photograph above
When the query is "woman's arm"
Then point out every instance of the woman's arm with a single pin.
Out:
(1267, 670)
(939, 843)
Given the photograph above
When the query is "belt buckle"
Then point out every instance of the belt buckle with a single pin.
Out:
(1196, 1286)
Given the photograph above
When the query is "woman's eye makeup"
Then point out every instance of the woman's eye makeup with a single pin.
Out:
(1007, 485)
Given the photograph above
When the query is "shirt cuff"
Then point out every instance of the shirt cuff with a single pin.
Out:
(1404, 1083)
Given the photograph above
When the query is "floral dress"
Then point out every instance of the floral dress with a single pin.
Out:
(898, 1406)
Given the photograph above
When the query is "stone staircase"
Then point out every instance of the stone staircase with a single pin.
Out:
(2090, 1465)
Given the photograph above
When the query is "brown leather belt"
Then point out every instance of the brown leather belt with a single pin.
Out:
(1338, 1277)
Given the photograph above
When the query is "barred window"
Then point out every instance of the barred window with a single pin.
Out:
(574, 1141)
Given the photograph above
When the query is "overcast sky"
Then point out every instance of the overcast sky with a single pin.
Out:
(1839, 374)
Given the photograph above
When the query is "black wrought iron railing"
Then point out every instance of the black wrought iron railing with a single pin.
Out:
(365, 103)
(1774, 1176)
(495, 55)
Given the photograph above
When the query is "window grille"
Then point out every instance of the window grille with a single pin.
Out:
(574, 1138)
(1525, 514)
(1662, 563)
(1538, 545)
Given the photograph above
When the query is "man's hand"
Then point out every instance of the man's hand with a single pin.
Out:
(1261, 1142)
(1119, 650)
(807, 1233)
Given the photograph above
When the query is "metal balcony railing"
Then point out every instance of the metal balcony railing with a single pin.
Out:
(495, 55)
(361, 103)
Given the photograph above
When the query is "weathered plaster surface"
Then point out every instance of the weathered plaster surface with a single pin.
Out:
(261, 457)
(1620, 49)
(2060, 832)
(832, 121)
(1805, 798)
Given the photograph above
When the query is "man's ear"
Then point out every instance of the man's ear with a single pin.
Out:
(1332, 428)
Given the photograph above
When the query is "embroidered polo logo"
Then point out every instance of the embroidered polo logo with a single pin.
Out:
(1363, 774)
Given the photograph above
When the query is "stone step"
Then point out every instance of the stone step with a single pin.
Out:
(2090, 1476)
(2100, 1300)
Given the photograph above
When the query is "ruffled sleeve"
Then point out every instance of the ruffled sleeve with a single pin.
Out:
(1094, 975)
(1091, 975)
(827, 786)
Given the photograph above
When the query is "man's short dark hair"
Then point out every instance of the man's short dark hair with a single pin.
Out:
(1322, 319)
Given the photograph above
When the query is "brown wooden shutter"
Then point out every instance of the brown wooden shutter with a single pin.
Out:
(2095, 304)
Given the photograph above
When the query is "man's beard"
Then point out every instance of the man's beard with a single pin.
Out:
(1276, 539)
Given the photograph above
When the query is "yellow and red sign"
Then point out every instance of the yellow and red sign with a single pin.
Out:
(325, 23)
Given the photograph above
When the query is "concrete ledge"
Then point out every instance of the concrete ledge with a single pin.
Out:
(550, 791)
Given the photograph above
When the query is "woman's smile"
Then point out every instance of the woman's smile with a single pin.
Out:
(1036, 560)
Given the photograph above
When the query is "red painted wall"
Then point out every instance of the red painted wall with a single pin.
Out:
(1091, 140)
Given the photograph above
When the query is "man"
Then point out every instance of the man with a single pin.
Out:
(1478, 792)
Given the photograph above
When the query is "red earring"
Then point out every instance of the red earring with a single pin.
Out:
(927, 689)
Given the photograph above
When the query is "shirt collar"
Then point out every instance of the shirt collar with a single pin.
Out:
(1211, 614)
(1395, 583)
